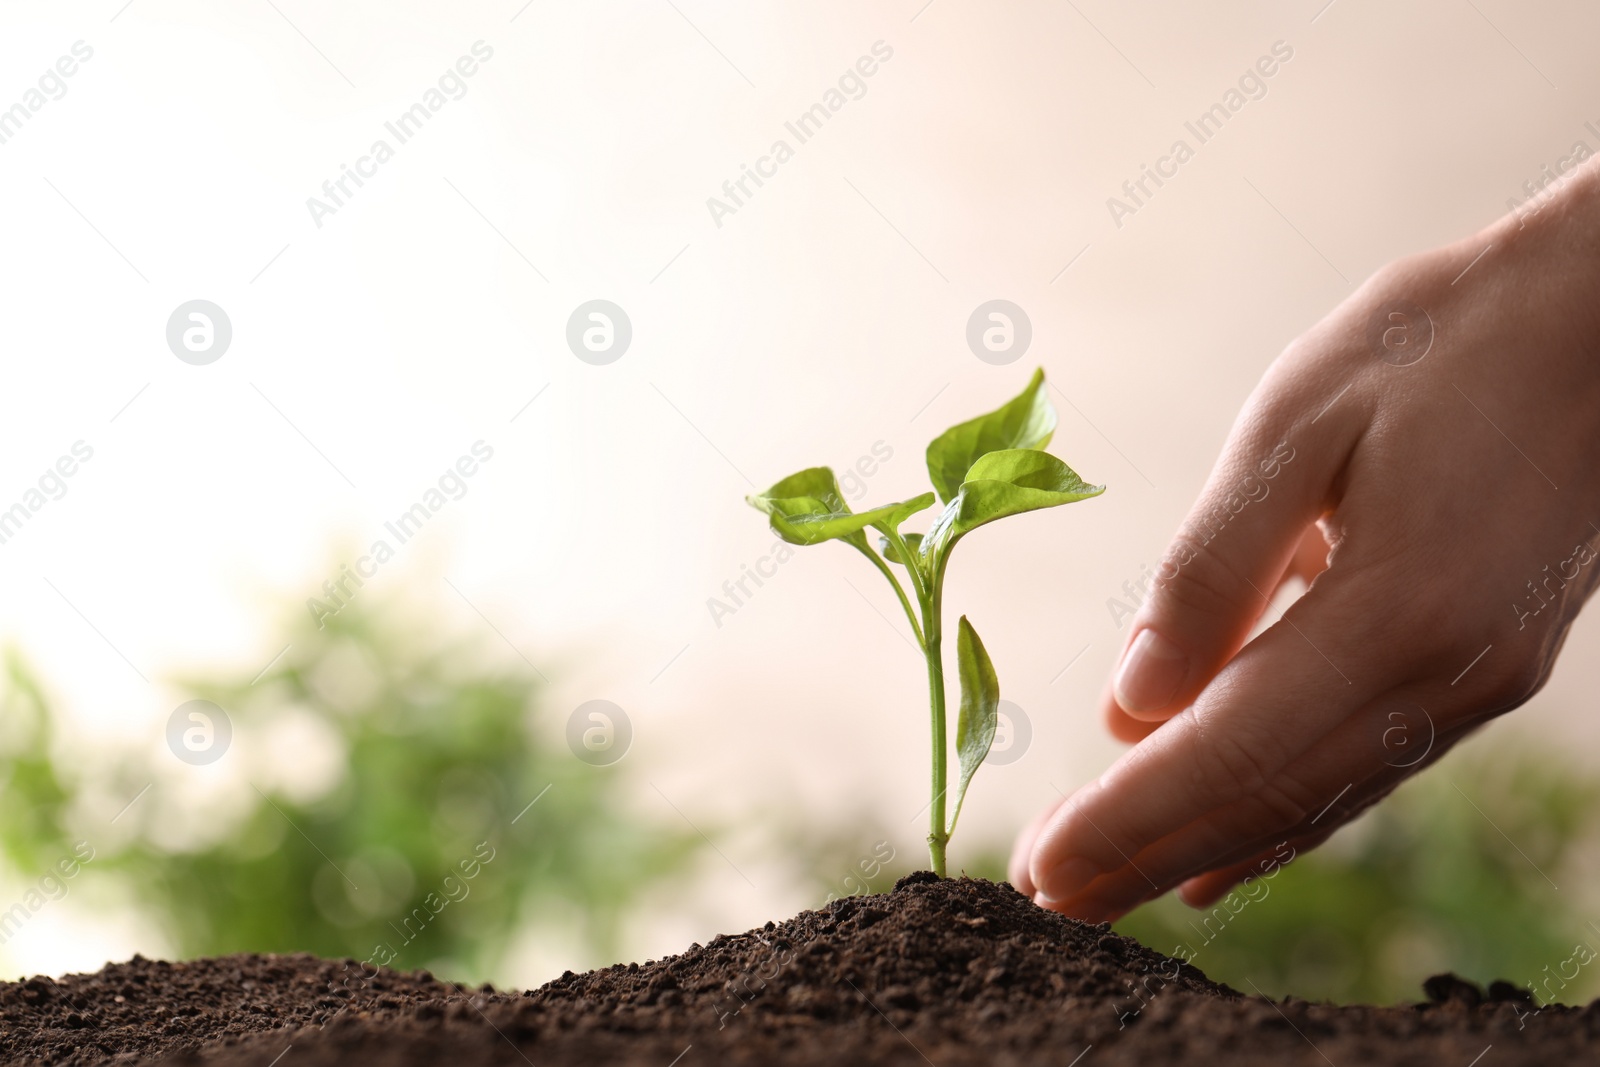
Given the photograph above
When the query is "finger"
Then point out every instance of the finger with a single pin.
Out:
(1394, 744)
(1272, 481)
(1103, 912)
(1202, 891)
(1122, 726)
(1121, 891)
(1017, 869)
(1345, 773)
(1276, 699)
(1310, 559)
(1310, 555)
(1342, 768)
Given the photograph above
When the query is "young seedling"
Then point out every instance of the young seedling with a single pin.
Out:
(982, 470)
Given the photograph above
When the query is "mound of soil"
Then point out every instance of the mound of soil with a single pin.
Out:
(942, 972)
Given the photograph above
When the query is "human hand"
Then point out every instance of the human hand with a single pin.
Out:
(1433, 476)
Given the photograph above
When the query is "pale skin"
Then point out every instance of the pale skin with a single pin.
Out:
(1420, 503)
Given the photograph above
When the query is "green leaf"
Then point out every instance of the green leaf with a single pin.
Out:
(1014, 481)
(902, 511)
(1006, 483)
(980, 703)
(1025, 421)
(913, 542)
(808, 509)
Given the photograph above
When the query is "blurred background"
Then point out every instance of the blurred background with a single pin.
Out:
(191, 509)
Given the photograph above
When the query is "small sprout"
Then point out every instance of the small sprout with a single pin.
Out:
(985, 469)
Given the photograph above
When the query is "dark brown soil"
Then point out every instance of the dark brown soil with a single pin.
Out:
(948, 973)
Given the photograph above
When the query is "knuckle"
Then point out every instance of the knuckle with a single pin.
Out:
(1195, 579)
(1282, 804)
(1418, 276)
(1396, 276)
(1516, 682)
(1391, 620)
(1427, 633)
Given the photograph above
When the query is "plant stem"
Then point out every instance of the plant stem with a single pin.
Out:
(877, 561)
(912, 564)
(932, 626)
(929, 588)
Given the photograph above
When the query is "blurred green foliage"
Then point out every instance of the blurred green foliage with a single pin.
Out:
(371, 761)
(378, 770)
(1457, 871)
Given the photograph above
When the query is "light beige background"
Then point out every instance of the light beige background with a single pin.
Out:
(823, 317)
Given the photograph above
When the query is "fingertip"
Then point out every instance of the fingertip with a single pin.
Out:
(1089, 909)
(1124, 727)
(1204, 890)
(1082, 910)
(1151, 674)
(1064, 879)
(1017, 869)
(1151, 718)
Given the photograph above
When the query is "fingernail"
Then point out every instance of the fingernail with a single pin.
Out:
(1151, 673)
(1068, 879)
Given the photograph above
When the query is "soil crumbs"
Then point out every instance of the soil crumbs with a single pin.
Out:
(946, 973)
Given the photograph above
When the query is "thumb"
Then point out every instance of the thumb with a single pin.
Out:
(1230, 554)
